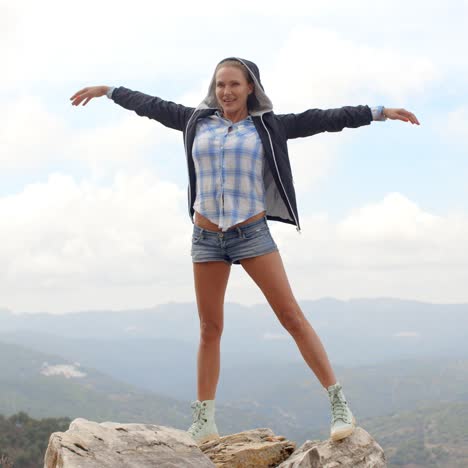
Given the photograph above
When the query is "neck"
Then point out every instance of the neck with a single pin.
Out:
(236, 116)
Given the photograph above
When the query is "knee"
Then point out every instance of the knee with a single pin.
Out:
(293, 320)
(210, 331)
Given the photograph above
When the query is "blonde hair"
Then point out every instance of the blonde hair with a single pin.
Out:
(240, 66)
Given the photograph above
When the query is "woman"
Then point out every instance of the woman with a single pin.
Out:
(240, 177)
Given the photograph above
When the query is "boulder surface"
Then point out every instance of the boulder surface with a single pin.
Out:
(87, 444)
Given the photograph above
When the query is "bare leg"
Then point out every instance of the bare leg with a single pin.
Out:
(210, 286)
(208, 367)
(314, 354)
(268, 273)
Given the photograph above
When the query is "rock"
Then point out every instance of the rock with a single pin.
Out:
(87, 444)
(359, 450)
(256, 448)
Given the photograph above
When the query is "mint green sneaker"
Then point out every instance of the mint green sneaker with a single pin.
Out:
(343, 420)
(203, 427)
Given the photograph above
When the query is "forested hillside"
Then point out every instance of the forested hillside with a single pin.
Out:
(23, 440)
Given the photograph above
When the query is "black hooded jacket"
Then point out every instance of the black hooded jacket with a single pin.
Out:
(274, 131)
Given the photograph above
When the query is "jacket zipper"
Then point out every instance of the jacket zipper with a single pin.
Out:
(298, 229)
(188, 168)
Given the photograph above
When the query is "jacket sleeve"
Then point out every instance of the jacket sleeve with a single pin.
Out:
(168, 113)
(314, 121)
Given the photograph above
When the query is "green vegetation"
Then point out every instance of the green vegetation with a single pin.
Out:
(23, 440)
(432, 436)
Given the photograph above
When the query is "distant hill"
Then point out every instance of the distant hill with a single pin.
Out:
(432, 436)
(394, 358)
(416, 409)
(285, 397)
(355, 333)
(46, 385)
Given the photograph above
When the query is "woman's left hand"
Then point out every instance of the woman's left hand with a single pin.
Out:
(400, 114)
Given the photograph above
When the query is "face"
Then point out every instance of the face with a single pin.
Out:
(232, 90)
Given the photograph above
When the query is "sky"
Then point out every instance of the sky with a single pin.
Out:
(93, 205)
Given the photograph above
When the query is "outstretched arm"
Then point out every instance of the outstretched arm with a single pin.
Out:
(168, 113)
(315, 121)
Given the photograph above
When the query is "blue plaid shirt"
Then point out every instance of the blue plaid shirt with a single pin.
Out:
(229, 159)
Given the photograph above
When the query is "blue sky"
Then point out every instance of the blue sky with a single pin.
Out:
(84, 191)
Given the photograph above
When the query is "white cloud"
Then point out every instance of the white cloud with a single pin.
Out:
(394, 218)
(392, 233)
(52, 42)
(391, 248)
(340, 69)
(33, 136)
(70, 246)
(61, 233)
(59, 44)
(404, 234)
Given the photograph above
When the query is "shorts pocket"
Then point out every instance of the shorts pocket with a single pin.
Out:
(257, 232)
(196, 237)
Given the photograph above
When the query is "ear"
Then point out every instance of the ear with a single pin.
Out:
(251, 87)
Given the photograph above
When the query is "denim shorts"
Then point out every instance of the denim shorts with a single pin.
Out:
(248, 240)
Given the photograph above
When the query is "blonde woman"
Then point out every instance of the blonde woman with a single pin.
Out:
(239, 178)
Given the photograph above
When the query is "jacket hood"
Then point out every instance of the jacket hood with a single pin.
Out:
(258, 103)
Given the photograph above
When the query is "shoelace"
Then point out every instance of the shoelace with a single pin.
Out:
(197, 412)
(339, 408)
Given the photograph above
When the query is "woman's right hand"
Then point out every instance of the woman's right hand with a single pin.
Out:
(88, 94)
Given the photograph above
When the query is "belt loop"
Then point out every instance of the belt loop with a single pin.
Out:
(201, 233)
(239, 231)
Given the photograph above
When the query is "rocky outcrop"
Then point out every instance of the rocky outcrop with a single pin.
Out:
(88, 444)
(254, 448)
(359, 450)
